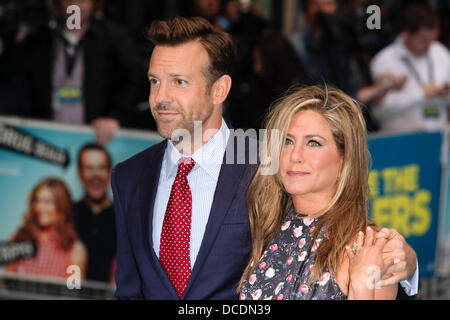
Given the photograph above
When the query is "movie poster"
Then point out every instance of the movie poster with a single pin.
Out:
(405, 182)
(39, 162)
(444, 230)
(41, 181)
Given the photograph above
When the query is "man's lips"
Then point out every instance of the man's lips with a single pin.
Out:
(297, 173)
(164, 115)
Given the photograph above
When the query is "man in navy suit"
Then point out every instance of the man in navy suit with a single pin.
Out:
(202, 257)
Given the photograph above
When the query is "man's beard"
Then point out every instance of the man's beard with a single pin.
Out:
(96, 200)
(185, 124)
(163, 107)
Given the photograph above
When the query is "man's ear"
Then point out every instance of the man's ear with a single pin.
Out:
(220, 89)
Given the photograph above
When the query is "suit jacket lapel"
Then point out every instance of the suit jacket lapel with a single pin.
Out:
(229, 179)
(149, 187)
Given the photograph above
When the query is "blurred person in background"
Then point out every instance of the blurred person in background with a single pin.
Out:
(244, 18)
(81, 75)
(422, 102)
(17, 20)
(136, 16)
(365, 44)
(94, 214)
(324, 45)
(369, 95)
(336, 46)
(208, 9)
(49, 223)
(274, 68)
(248, 98)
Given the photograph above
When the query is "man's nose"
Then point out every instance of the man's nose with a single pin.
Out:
(162, 93)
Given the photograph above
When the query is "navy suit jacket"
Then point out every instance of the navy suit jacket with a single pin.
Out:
(226, 244)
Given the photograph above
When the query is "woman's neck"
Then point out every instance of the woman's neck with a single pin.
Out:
(310, 205)
(46, 233)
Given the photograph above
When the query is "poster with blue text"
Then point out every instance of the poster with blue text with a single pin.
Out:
(405, 189)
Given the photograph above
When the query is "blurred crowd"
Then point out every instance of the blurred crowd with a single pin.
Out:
(96, 74)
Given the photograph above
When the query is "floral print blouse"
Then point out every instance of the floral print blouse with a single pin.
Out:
(283, 271)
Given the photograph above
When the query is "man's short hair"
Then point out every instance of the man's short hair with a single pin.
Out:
(179, 30)
(419, 16)
(93, 146)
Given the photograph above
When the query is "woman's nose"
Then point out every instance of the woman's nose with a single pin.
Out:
(297, 154)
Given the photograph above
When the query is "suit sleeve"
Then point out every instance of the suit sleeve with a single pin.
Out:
(128, 281)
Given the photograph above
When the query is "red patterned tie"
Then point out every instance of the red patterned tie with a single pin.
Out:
(174, 252)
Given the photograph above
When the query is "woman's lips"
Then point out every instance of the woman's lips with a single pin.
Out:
(297, 173)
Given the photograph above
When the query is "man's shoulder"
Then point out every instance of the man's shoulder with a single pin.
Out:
(440, 50)
(387, 53)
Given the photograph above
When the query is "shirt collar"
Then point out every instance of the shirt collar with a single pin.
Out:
(209, 157)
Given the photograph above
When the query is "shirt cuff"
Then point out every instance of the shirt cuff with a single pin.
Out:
(411, 285)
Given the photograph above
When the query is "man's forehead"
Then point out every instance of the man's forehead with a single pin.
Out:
(186, 56)
(93, 155)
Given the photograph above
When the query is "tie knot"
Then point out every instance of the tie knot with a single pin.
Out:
(185, 166)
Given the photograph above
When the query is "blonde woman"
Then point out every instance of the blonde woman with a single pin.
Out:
(311, 235)
(49, 223)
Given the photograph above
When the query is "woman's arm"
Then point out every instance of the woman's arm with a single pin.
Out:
(386, 293)
(80, 257)
(12, 267)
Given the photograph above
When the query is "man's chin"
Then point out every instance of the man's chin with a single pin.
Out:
(164, 130)
(97, 198)
(171, 133)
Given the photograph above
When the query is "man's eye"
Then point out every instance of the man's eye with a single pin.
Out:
(180, 82)
(313, 143)
(153, 82)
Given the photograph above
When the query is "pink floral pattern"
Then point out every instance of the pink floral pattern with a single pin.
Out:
(284, 269)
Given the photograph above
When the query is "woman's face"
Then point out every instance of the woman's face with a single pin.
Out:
(45, 207)
(310, 162)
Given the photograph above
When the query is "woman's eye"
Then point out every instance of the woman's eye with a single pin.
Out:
(313, 143)
(288, 141)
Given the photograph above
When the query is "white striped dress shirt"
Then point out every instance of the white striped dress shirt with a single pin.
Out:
(202, 181)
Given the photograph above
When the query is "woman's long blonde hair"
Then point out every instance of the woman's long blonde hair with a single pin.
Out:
(346, 214)
(64, 227)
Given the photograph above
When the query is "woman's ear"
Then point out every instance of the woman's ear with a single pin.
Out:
(341, 167)
(220, 89)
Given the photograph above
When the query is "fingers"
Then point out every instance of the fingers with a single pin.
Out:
(356, 246)
(380, 243)
(393, 252)
(397, 267)
(386, 233)
(388, 264)
(370, 235)
(349, 252)
(389, 281)
(360, 240)
(389, 278)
